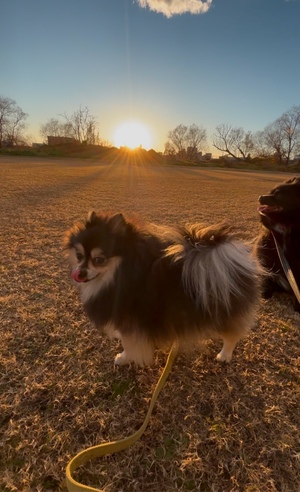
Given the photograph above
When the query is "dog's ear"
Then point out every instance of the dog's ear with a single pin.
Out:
(118, 223)
(92, 216)
(68, 239)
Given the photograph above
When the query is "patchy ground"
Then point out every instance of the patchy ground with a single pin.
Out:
(216, 427)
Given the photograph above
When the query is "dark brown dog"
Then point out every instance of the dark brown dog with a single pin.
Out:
(280, 216)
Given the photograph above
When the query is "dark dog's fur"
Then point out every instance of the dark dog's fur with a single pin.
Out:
(280, 215)
(150, 285)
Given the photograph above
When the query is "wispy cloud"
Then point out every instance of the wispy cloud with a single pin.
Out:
(176, 7)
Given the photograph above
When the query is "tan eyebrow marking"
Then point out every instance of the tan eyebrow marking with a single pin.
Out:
(79, 248)
(96, 252)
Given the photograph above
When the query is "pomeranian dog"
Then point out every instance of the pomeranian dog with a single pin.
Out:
(150, 285)
(280, 216)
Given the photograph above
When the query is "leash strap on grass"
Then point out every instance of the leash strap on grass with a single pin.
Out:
(116, 446)
(287, 269)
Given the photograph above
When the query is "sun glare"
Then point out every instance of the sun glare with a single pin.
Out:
(133, 135)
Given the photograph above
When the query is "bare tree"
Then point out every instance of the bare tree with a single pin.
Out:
(12, 122)
(223, 140)
(274, 141)
(177, 137)
(260, 146)
(243, 142)
(52, 128)
(83, 126)
(289, 126)
(282, 137)
(233, 141)
(169, 149)
(55, 128)
(196, 140)
(189, 139)
(80, 125)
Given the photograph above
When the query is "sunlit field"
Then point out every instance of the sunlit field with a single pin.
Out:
(219, 428)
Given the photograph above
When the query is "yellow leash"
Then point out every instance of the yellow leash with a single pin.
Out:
(116, 446)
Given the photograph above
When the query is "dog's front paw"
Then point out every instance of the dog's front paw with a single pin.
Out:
(223, 356)
(121, 359)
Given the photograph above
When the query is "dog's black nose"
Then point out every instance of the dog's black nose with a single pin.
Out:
(82, 274)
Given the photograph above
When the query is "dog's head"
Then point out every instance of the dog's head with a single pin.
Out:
(280, 208)
(95, 247)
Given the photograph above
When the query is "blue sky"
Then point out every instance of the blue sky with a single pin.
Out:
(236, 63)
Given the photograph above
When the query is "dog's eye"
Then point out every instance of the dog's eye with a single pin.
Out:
(99, 260)
(79, 256)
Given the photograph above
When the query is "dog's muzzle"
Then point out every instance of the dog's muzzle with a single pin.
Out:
(79, 275)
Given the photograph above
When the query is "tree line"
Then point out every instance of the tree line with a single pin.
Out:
(81, 125)
(279, 139)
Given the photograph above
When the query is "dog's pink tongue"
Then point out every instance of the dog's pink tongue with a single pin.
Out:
(75, 276)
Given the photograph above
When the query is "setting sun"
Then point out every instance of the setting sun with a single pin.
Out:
(132, 134)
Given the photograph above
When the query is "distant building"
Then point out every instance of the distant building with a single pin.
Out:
(206, 157)
(61, 140)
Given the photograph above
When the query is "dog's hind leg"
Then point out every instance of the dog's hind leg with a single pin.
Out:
(234, 330)
(139, 351)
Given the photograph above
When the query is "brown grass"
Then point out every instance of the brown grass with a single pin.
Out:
(215, 427)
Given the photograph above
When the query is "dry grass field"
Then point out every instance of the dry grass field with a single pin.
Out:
(215, 427)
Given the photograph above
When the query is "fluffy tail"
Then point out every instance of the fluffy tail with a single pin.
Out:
(217, 268)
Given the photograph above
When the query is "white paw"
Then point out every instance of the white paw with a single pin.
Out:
(223, 357)
(121, 359)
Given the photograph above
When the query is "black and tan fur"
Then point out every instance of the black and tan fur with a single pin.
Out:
(149, 285)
